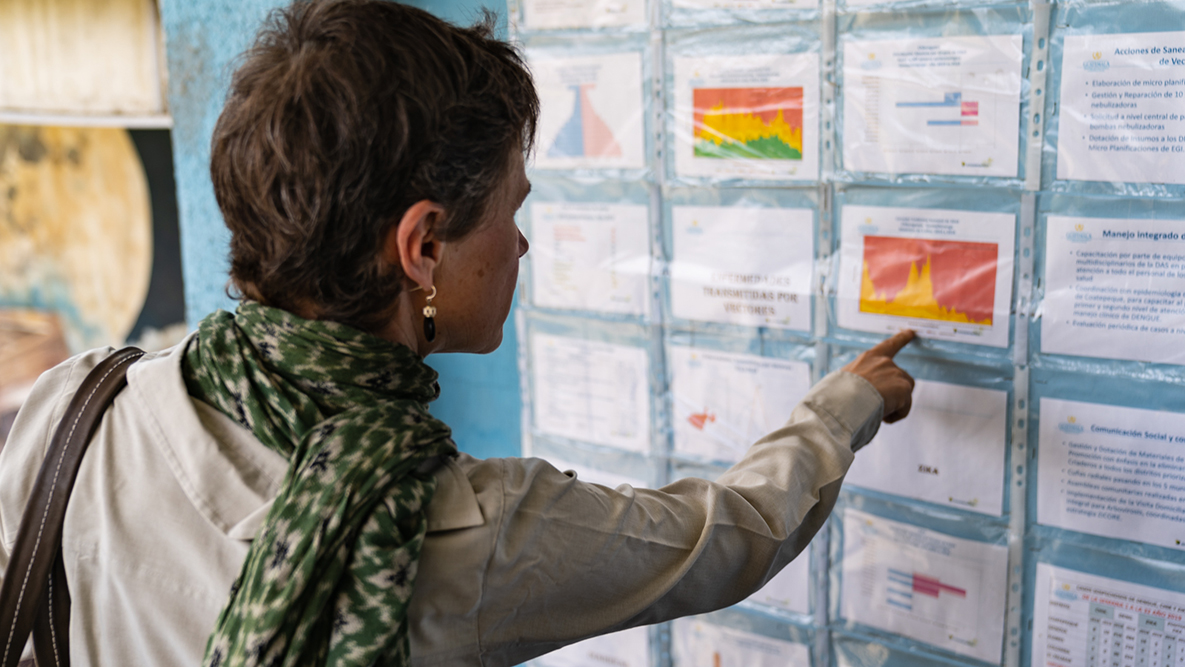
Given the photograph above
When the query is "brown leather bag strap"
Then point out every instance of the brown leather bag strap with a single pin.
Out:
(51, 627)
(36, 554)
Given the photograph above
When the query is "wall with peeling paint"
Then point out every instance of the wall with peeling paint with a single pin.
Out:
(480, 397)
(75, 229)
(201, 41)
(80, 58)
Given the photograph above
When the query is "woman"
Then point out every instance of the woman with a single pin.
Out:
(275, 491)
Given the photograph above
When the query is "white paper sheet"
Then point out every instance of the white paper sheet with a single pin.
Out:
(945, 273)
(590, 391)
(1115, 289)
(1122, 110)
(747, 4)
(591, 114)
(950, 450)
(557, 14)
(754, 116)
(747, 266)
(595, 476)
(695, 643)
(724, 402)
(628, 648)
(923, 584)
(1083, 620)
(790, 589)
(590, 257)
(941, 105)
(1111, 471)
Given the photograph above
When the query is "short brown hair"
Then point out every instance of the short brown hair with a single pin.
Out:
(342, 115)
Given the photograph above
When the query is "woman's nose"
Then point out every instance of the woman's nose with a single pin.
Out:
(523, 245)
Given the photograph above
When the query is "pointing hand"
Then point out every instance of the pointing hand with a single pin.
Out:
(895, 385)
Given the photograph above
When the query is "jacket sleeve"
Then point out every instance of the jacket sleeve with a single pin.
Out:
(572, 560)
(28, 441)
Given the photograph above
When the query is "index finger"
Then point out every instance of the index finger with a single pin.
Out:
(890, 346)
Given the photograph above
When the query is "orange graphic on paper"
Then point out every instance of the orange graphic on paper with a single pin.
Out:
(699, 419)
(952, 281)
(754, 123)
(598, 138)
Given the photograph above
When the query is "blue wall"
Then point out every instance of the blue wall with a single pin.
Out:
(480, 395)
(464, 12)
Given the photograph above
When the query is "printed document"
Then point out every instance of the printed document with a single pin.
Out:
(591, 391)
(937, 105)
(591, 257)
(1115, 289)
(1112, 471)
(923, 584)
(559, 14)
(1122, 112)
(743, 265)
(696, 643)
(945, 273)
(1084, 620)
(591, 113)
(723, 402)
(754, 116)
(950, 450)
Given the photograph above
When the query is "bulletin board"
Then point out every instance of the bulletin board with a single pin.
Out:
(732, 198)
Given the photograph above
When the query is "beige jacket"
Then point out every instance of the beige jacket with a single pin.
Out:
(520, 558)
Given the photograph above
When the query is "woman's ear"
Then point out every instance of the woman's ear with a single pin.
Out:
(412, 242)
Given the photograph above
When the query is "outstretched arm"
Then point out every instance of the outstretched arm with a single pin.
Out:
(560, 560)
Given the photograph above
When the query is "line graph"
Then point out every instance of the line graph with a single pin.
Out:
(748, 123)
(952, 281)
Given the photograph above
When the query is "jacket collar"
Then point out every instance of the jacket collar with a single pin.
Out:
(228, 475)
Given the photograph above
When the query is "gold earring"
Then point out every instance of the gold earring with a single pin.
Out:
(429, 314)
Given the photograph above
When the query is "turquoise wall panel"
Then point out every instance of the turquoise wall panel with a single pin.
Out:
(480, 397)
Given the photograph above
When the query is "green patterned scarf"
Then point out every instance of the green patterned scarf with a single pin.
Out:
(328, 578)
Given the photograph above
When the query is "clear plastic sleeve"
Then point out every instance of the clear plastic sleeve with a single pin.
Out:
(961, 305)
(594, 247)
(934, 95)
(743, 104)
(1118, 55)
